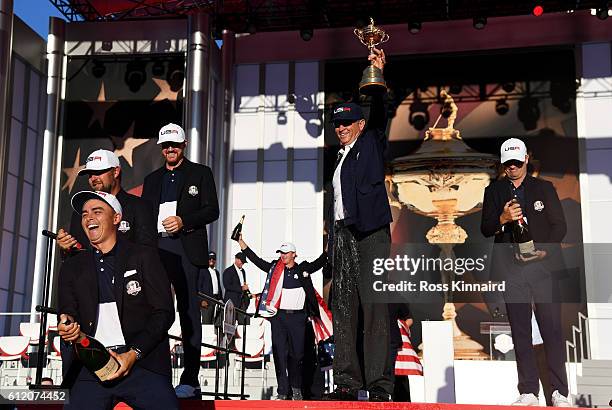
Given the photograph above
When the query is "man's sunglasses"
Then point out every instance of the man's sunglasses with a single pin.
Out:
(344, 123)
(97, 172)
(513, 162)
(166, 145)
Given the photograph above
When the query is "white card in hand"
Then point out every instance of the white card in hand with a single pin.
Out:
(165, 210)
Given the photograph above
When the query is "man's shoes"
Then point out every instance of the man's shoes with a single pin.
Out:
(559, 400)
(341, 394)
(296, 393)
(527, 399)
(185, 391)
(279, 397)
(378, 394)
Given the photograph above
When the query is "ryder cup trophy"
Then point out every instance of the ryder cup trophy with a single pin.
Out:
(372, 80)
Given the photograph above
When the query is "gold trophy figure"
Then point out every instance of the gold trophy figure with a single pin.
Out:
(372, 81)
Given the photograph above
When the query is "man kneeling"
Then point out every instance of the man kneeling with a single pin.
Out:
(117, 292)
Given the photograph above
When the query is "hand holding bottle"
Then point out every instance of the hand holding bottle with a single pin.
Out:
(68, 329)
(512, 212)
(126, 362)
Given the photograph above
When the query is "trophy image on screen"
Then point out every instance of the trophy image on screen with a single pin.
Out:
(372, 80)
(445, 179)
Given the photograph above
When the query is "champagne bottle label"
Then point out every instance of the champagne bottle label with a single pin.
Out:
(527, 248)
(108, 369)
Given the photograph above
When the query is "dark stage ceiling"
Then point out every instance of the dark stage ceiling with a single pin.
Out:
(280, 15)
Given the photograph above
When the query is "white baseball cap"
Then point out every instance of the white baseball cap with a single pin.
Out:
(100, 160)
(513, 148)
(286, 247)
(171, 133)
(80, 198)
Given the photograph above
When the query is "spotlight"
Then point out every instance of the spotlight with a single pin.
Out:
(479, 22)
(107, 45)
(508, 86)
(175, 75)
(306, 34)
(455, 88)
(528, 113)
(502, 107)
(560, 94)
(99, 69)
(419, 117)
(135, 75)
(251, 27)
(414, 27)
(158, 68)
(602, 13)
(538, 10)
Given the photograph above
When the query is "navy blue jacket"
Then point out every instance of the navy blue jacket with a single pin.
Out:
(363, 175)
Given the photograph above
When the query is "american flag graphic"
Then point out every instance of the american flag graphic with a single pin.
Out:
(407, 361)
(271, 295)
(323, 326)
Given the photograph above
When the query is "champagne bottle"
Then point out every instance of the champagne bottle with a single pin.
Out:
(522, 236)
(94, 356)
(237, 230)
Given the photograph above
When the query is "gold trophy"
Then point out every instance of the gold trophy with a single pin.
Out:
(372, 80)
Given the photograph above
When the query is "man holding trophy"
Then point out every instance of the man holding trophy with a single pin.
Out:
(360, 217)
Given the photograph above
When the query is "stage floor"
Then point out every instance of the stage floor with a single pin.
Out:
(316, 405)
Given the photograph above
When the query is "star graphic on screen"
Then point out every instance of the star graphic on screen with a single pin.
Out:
(165, 93)
(99, 107)
(128, 144)
(73, 172)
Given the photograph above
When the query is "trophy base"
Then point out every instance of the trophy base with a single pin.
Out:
(372, 82)
(371, 89)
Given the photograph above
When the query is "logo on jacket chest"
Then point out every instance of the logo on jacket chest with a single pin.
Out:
(193, 190)
(133, 288)
(538, 206)
(124, 226)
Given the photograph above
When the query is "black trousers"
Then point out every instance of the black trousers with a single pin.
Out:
(353, 260)
(532, 287)
(141, 389)
(288, 334)
(184, 278)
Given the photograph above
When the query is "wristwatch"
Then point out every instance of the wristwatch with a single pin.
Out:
(137, 351)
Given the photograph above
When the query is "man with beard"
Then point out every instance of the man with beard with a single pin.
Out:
(104, 174)
(184, 197)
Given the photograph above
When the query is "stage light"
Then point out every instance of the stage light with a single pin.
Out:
(479, 22)
(529, 113)
(135, 75)
(602, 13)
(455, 89)
(99, 69)
(508, 86)
(419, 117)
(414, 27)
(107, 45)
(251, 27)
(502, 107)
(175, 75)
(560, 94)
(306, 34)
(158, 68)
(538, 10)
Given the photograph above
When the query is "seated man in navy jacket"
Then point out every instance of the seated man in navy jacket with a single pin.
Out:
(118, 292)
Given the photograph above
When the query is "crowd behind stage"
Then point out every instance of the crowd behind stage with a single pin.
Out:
(123, 254)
